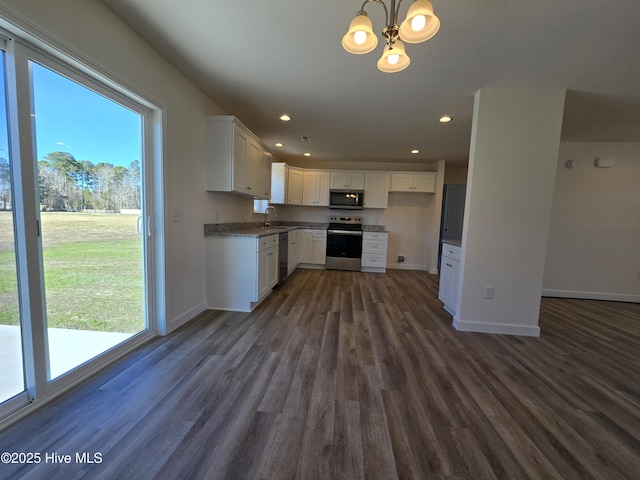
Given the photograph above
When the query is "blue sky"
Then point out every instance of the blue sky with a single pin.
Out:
(71, 118)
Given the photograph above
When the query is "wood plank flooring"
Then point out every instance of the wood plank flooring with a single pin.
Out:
(343, 375)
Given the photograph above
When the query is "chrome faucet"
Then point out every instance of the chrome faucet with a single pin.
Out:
(266, 215)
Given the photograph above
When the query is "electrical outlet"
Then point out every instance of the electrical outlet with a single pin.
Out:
(176, 215)
(400, 258)
(488, 292)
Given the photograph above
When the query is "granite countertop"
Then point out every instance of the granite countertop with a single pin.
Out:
(453, 241)
(255, 229)
(374, 228)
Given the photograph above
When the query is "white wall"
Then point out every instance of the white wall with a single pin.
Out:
(514, 148)
(594, 238)
(89, 28)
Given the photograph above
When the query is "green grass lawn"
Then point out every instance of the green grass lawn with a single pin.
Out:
(93, 272)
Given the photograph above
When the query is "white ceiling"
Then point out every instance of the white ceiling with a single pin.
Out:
(258, 59)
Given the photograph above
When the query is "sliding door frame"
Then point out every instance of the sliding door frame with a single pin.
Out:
(23, 47)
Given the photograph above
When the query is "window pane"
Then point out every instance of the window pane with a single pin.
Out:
(89, 150)
(11, 358)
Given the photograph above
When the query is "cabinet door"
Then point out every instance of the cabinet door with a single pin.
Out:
(294, 187)
(376, 190)
(267, 270)
(265, 176)
(448, 291)
(310, 189)
(455, 276)
(444, 291)
(253, 168)
(339, 180)
(272, 267)
(263, 273)
(347, 180)
(322, 183)
(424, 182)
(305, 246)
(319, 255)
(401, 182)
(356, 181)
(240, 142)
(292, 254)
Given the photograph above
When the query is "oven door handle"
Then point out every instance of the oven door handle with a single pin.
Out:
(345, 232)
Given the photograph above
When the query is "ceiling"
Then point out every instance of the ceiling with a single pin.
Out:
(260, 59)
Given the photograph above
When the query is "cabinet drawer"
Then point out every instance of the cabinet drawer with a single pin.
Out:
(382, 236)
(319, 233)
(373, 260)
(374, 246)
(450, 251)
(267, 242)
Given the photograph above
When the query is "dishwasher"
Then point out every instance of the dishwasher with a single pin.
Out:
(283, 256)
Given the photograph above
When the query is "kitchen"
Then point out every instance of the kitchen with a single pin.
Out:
(579, 245)
(183, 203)
(409, 201)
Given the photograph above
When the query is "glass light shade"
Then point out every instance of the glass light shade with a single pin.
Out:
(431, 26)
(394, 59)
(365, 42)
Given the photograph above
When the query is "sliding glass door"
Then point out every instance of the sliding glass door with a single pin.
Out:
(89, 149)
(76, 229)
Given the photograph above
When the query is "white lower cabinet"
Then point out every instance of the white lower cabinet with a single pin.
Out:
(449, 276)
(313, 246)
(241, 271)
(267, 270)
(374, 252)
(293, 251)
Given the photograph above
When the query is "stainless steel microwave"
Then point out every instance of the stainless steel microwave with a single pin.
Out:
(346, 199)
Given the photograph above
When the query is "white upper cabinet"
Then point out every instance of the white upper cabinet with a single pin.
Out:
(294, 186)
(236, 159)
(265, 175)
(315, 189)
(413, 182)
(279, 172)
(347, 180)
(376, 190)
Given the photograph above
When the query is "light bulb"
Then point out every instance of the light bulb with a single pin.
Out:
(418, 22)
(360, 37)
(393, 58)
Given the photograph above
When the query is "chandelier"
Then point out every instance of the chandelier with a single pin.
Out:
(420, 25)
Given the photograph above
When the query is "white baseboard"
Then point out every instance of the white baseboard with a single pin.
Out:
(311, 266)
(411, 266)
(499, 328)
(185, 317)
(614, 297)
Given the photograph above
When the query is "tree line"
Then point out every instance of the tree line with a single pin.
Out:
(67, 184)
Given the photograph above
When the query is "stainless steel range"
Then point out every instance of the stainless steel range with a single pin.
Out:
(344, 243)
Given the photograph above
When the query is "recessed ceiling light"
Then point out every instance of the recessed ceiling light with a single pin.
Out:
(307, 154)
(279, 144)
(445, 119)
(285, 118)
(415, 151)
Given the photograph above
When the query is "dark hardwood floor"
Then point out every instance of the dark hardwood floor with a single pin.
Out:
(342, 375)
